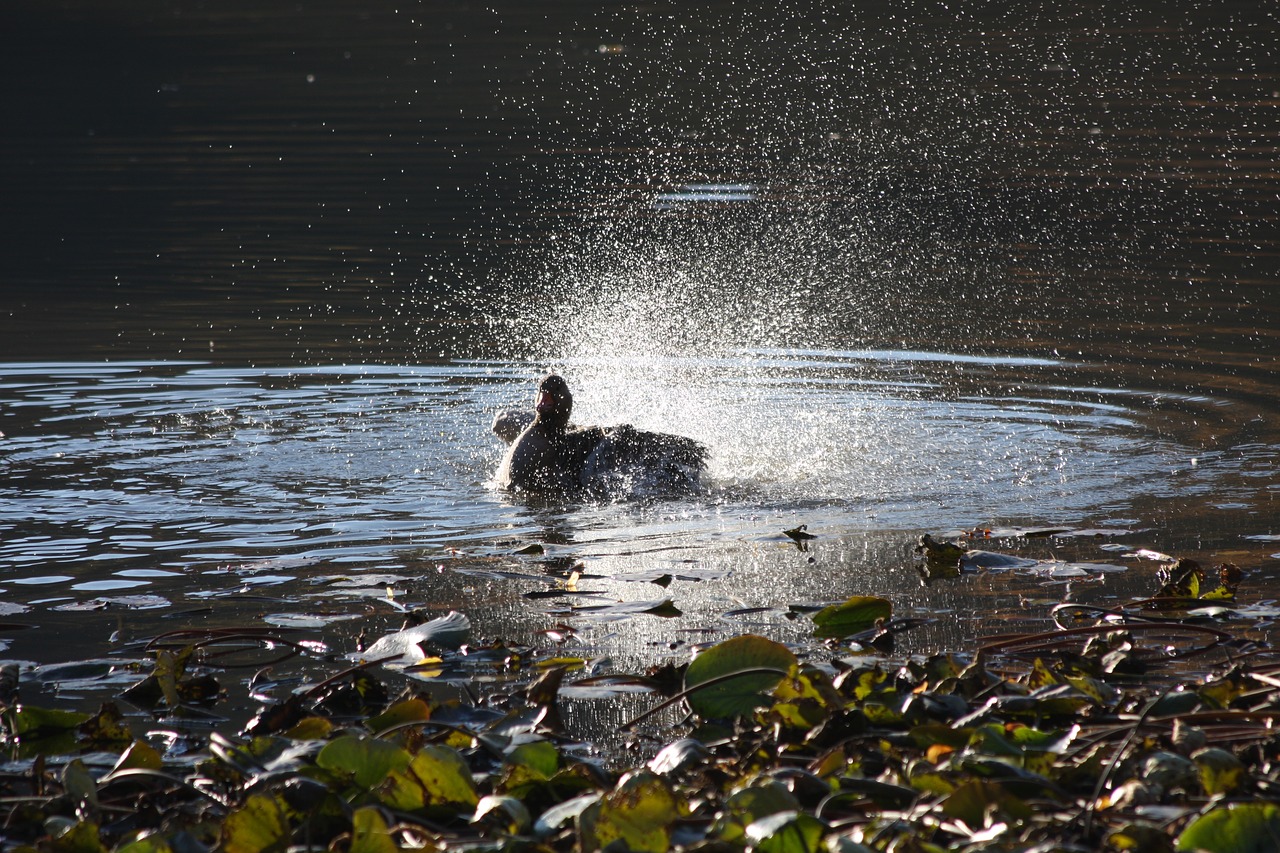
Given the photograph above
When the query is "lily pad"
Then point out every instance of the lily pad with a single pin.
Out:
(736, 697)
(1238, 828)
(636, 816)
(855, 614)
(262, 823)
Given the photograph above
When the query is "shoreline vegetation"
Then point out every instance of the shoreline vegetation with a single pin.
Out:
(1148, 725)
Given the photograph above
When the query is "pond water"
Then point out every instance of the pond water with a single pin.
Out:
(274, 272)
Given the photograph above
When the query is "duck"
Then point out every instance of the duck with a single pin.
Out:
(549, 456)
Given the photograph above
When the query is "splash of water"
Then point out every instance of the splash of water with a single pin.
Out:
(765, 338)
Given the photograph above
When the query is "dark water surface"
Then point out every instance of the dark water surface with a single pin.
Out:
(270, 268)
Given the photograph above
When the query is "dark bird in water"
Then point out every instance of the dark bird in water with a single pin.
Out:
(547, 456)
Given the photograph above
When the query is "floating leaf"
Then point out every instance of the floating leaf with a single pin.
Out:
(369, 832)
(310, 728)
(993, 560)
(977, 801)
(409, 711)
(437, 776)
(637, 815)
(557, 816)
(1238, 828)
(258, 826)
(79, 837)
(106, 729)
(1220, 771)
(514, 815)
(855, 614)
(736, 697)
(675, 756)
(367, 760)
(747, 806)
(787, 832)
(623, 609)
(139, 755)
(34, 721)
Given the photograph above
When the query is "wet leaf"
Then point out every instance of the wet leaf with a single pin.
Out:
(408, 711)
(637, 815)
(749, 805)
(369, 832)
(436, 776)
(34, 721)
(787, 832)
(261, 825)
(859, 613)
(139, 756)
(976, 803)
(509, 812)
(1221, 772)
(366, 760)
(736, 697)
(1237, 828)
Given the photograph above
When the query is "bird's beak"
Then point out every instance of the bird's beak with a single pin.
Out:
(545, 402)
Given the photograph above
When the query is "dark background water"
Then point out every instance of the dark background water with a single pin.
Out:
(268, 267)
(322, 180)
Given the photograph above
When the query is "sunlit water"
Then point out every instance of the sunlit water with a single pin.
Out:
(142, 496)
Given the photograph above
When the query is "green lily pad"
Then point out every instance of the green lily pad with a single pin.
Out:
(851, 616)
(787, 832)
(637, 816)
(261, 824)
(368, 760)
(1238, 828)
(369, 832)
(737, 697)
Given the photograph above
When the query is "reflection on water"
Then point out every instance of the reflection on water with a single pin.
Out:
(136, 491)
